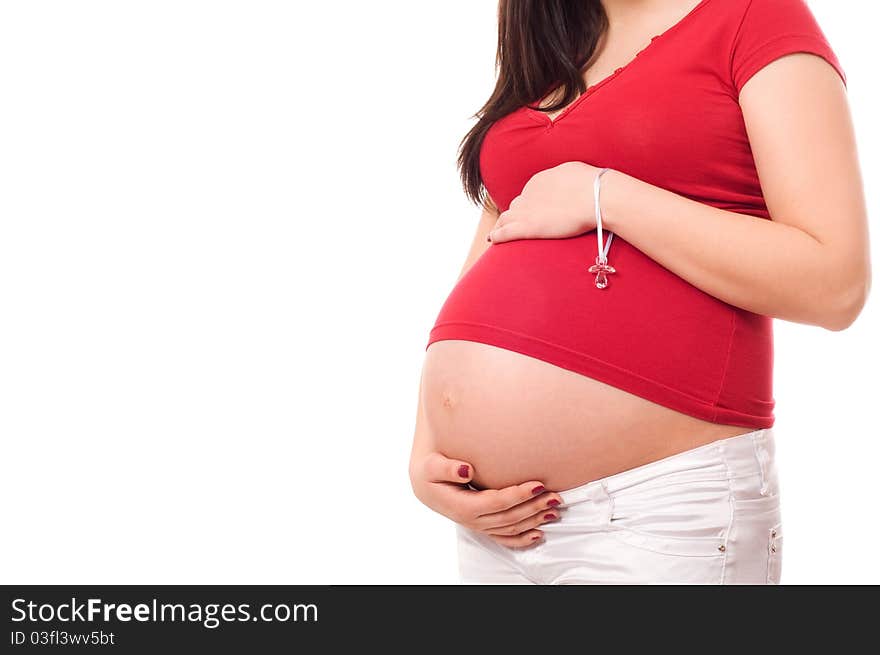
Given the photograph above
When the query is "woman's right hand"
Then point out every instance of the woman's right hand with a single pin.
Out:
(510, 516)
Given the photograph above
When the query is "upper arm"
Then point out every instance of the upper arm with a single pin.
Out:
(792, 91)
(488, 218)
(802, 138)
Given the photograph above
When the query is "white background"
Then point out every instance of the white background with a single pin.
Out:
(226, 229)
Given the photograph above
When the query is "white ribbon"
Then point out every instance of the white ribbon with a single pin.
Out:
(603, 252)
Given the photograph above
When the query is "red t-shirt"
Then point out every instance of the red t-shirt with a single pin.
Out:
(670, 117)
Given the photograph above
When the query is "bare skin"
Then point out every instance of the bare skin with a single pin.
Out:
(815, 252)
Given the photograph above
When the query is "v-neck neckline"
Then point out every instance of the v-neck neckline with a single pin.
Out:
(542, 116)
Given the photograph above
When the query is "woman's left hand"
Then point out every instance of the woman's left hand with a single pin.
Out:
(554, 204)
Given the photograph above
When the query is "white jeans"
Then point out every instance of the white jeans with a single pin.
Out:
(710, 515)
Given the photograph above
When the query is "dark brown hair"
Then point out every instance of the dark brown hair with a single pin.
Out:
(542, 45)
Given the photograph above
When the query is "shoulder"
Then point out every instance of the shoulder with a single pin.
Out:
(766, 30)
(746, 20)
(775, 16)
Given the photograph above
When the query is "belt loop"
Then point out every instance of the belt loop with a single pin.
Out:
(762, 455)
(607, 503)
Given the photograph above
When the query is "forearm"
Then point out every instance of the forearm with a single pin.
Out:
(762, 266)
(422, 443)
(422, 446)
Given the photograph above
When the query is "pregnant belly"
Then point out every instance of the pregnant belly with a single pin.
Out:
(516, 418)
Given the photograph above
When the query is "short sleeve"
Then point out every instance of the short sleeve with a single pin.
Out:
(771, 29)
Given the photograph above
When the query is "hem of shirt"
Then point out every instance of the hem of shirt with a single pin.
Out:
(597, 369)
(785, 44)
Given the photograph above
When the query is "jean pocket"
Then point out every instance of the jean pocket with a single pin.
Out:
(774, 554)
(669, 545)
(684, 520)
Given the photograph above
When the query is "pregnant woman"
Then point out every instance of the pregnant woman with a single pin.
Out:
(659, 180)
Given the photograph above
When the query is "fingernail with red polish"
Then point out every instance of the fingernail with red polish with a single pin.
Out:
(536, 537)
(537, 489)
(549, 516)
(552, 503)
(463, 470)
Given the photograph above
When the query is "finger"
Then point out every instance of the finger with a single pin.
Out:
(443, 469)
(509, 215)
(541, 517)
(513, 230)
(524, 540)
(545, 501)
(491, 501)
(503, 218)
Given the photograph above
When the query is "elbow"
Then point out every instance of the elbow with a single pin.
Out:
(849, 305)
